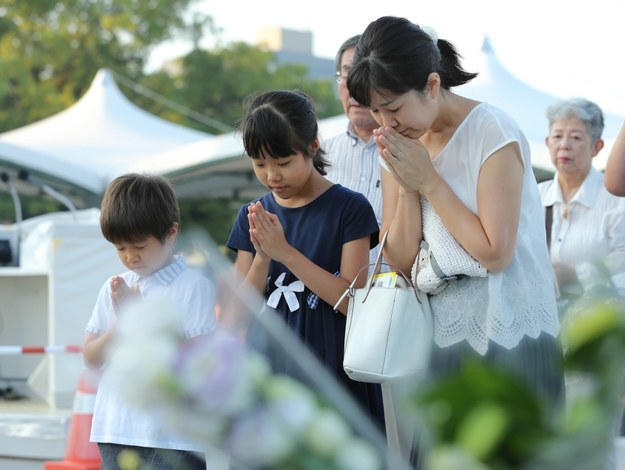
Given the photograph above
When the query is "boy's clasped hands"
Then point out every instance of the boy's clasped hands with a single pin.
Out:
(121, 293)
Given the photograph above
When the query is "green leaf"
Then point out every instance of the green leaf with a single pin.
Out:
(483, 429)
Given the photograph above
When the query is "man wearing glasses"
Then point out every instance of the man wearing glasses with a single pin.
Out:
(353, 154)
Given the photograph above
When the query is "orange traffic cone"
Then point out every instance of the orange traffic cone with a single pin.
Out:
(81, 454)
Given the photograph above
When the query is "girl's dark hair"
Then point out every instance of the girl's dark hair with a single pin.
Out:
(137, 206)
(394, 56)
(280, 124)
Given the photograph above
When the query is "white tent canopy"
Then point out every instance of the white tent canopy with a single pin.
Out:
(527, 106)
(99, 137)
(219, 166)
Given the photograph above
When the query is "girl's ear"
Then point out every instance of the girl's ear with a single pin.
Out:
(314, 146)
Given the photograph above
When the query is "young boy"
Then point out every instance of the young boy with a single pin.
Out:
(141, 218)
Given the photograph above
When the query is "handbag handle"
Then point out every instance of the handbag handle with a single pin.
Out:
(377, 265)
(378, 259)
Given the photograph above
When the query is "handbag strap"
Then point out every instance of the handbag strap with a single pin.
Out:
(434, 264)
(376, 269)
(548, 223)
(378, 259)
(378, 264)
(350, 290)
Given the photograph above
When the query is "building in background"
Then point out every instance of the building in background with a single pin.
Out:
(295, 47)
(289, 46)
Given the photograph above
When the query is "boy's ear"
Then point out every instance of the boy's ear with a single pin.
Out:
(175, 227)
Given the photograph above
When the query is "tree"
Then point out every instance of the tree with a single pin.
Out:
(212, 216)
(51, 50)
(216, 82)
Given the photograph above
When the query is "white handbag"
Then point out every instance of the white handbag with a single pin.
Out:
(389, 329)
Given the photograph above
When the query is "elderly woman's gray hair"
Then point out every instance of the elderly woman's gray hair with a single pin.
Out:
(584, 110)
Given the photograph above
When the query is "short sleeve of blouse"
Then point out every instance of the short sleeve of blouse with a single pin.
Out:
(500, 130)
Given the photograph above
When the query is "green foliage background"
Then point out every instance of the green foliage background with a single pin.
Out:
(51, 50)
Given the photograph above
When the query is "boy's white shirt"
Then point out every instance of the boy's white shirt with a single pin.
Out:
(114, 421)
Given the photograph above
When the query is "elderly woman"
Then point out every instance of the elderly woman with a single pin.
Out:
(587, 229)
(585, 223)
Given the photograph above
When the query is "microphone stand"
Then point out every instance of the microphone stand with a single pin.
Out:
(25, 176)
(18, 215)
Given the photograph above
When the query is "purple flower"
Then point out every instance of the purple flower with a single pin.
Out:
(217, 375)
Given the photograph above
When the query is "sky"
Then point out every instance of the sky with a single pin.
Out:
(562, 47)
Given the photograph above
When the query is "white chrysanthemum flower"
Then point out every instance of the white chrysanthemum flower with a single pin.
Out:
(291, 402)
(357, 454)
(141, 369)
(259, 439)
(256, 367)
(150, 317)
(327, 433)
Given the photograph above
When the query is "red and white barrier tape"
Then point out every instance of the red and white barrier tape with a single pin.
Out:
(16, 350)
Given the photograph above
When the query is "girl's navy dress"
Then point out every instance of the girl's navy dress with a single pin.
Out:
(318, 230)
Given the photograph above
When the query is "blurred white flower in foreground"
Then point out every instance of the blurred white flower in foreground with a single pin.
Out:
(223, 395)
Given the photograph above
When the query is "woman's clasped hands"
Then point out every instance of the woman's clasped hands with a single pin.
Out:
(407, 159)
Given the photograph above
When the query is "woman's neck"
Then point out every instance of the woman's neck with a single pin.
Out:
(453, 111)
(570, 184)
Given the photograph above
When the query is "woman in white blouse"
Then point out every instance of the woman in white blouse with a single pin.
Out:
(588, 223)
(471, 163)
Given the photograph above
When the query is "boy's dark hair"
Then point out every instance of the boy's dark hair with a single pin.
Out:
(136, 206)
(280, 124)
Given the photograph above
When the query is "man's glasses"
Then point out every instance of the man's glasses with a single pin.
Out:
(340, 79)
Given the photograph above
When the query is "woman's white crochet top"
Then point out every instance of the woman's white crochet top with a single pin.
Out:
(508, 305)
(441, 257)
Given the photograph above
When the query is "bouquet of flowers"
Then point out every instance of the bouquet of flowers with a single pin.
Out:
(223, 395)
